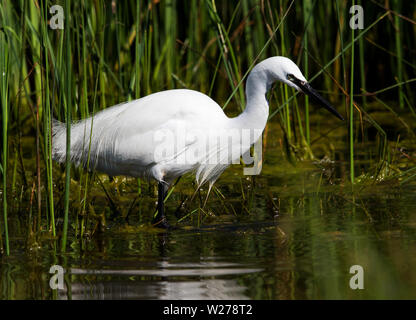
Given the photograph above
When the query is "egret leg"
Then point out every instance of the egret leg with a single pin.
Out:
(160, 219)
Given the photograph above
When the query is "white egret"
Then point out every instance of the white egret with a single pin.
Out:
(126, 139)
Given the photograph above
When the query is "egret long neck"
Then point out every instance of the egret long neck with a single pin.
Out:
(256, 112)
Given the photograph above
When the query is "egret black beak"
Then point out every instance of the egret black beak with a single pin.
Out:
(315, 96)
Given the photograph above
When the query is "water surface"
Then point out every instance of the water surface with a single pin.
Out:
(291, 233)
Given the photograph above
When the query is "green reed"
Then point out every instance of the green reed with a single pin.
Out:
(47, 118)
(84, 107)
(68, 103)
(4, 74)
(227, 51)
(362, 66)
(308, 23)
(351, 113)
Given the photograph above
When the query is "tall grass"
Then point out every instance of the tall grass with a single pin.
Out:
(308, 23)
(362, 66)
(4, 74)
(110, 52)
(68, 104)
(351, 102)
(47, 119)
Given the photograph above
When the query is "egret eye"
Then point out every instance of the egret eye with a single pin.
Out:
(290, 77)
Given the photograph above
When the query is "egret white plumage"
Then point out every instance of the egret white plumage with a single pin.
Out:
(125, 139)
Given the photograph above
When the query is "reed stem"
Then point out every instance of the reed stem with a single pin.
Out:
(68, 102)
(4, 75)
(351, 100)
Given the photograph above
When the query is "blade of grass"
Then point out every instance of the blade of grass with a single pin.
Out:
(68, 103)
(4, 75)
(351, 132)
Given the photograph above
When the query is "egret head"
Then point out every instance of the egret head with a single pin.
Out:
(285, 70)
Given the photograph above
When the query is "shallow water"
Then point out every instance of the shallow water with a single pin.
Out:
(303, 251)
(296, 238)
